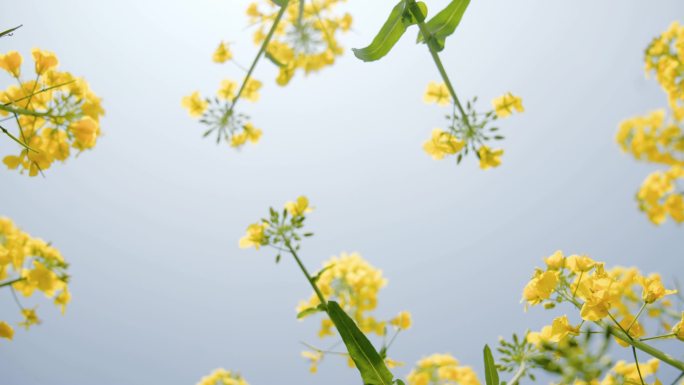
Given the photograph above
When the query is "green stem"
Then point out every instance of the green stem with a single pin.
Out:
(637, 317)
(8, 283)
(22, 111)
(644, 347)
(14, 138)
(306, 273)
(636, 361)
(276, 21)
(664, 336)
(518, 375)
(435, 57)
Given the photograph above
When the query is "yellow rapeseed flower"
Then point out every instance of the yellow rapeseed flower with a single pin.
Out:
(251, 90)
(299, 207)
(489, 158)
(256, 236)
(506, 104)
(437, 93)
(540, 287)
(402, 321)
(11, 62)
(222, 53)
(44, 60)
(195, 104)
(6, 331)
(441, 144)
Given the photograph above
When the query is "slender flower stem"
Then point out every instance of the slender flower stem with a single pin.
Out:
(8, 283)
(306, 273)
(518, 375)
(276, 21)
(435, 57)
(637, 317)
(14, 138)
(22, 111)
(664, 336)
(636, 361)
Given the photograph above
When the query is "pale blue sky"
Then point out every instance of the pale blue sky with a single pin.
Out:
(150, 219)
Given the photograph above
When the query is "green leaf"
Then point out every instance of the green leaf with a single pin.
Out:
(443, 24)
(368, 361)
(280, 3)
(9, 31)
(309, 311)
(491, 375)
(399, 19)
(316, 277)
(273, 59)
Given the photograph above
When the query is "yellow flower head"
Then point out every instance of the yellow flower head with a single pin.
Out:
(489, 158)
(85, 131)
(653, 288)
(222, 53)
(441, 369)
(437, 93)
(45, 60)
(557, 332)
(11, 62)
(6, 331)
(556, 261)
(256, 236)
(298, 208)
(506, 104)
(228, 89)
(251, 90)
(441, 144)
(580, 263)
(195, 104)
(314, 359)
(631, 325)
(402, 321)
(222, 377)
(678, 329)
(540, 287)
(30, 318)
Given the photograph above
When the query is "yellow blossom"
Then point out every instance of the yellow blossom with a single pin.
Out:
(256, 236)
(298, 208)
(195, 104)
(227, 90)
(30, 318)
(45, 60)
(314, 359)
(6, 331)
(222, 53)
(540, 287)
(558, 331)
(251, 90)
(489, 158)
(678, 329)
(653, 288)
(556, 261)
(402, 321)
(580, 263)
(506, 104)
(11, 62)
(437, 93)
(441, 144)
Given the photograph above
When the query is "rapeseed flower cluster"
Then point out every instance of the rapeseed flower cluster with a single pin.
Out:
(29, 265)
(441, 369)
(222, 377)
(619, 297)
(468, 131)
(55, 112)
(219, 115)
(306, 38)
(657, 138)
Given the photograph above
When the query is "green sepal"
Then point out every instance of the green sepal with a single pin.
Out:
(311, 310)
(367, 360)
(444, 24)
(398, 21)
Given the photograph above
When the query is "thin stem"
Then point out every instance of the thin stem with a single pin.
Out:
(40, 91)
(637, 317)
(8, 283)
(518, 375)
(438, 62)
(681, 375)
(276, 21)
(306, 273)
(636, 361)
(579, 280)
(664, 336)
(14, 138)
(22, 111)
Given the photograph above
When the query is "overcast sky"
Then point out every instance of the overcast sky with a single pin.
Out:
(150, 219)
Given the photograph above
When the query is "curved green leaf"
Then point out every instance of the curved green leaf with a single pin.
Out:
(372, 367)
(444, 23)
(399, 19)
(491, 375)
(310, 310)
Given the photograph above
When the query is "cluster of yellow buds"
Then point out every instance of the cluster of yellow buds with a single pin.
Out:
(441, 369)
(659, 195)
(619, 295)
(355, 284)
(305, 39)
(28, 265)
(630, 373)
(468, 130)
(54, 112)
(656, 138)
(222, 377)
